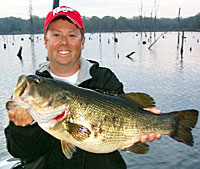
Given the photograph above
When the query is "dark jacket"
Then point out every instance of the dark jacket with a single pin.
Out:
(40, 150)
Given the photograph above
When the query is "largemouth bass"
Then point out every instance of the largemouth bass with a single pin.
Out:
(94, 121)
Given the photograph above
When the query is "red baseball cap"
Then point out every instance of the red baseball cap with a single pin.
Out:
(70, 13)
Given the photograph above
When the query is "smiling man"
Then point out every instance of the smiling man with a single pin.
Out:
(64, 43)
(64, 40)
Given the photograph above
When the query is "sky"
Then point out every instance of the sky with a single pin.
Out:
(101, 8)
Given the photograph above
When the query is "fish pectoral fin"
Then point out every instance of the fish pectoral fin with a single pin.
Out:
(138, 148)
(68, 149)
(77, 131)
(142, 99)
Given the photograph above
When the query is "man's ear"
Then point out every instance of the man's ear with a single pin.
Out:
(82, 43)
(45, 42)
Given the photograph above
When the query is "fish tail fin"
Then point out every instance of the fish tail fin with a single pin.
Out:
(186, 120)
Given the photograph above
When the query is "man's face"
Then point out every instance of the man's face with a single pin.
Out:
(64, 43)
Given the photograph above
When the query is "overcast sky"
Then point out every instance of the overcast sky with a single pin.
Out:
(100, 8)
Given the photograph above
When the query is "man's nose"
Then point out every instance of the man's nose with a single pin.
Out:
(64, 39)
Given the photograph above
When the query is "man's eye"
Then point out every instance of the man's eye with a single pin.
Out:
(56, 35)
(72, 35)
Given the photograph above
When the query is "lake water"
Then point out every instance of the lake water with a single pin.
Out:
(173, 81)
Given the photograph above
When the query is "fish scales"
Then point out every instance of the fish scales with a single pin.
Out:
(114, 124)
(100, 121)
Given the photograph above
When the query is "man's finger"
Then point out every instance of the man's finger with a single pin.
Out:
(151, 137)
(158, 136)
(144, 138)
(153, 110)
(11, 114)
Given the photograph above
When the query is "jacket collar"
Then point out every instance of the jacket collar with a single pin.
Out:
(84, 71)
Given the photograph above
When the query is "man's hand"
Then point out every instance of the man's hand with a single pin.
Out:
(20, 117)
(151, 136)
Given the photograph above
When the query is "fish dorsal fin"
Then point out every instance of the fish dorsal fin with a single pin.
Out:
(107, 92)
(142, 99)
(68, 149)
(77, 131)
(138, 148)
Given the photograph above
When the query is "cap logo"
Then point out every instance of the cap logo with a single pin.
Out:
(58, 9)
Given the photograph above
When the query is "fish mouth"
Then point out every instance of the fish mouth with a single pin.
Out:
(22, 88)
(12, 105)
(21, 91)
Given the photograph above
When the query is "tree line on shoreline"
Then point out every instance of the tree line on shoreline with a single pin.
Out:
(13, 25)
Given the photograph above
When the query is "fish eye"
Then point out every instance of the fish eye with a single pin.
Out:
(38, 81)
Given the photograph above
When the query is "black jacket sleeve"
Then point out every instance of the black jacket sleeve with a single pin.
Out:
(27, 142)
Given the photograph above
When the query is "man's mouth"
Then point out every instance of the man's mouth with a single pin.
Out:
(64, 52)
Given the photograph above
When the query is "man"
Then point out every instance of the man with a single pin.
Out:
(64, 40)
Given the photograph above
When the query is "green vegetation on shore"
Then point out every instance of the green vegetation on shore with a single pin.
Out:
(13, 25)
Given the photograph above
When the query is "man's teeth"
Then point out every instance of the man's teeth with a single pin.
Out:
(64, 52)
